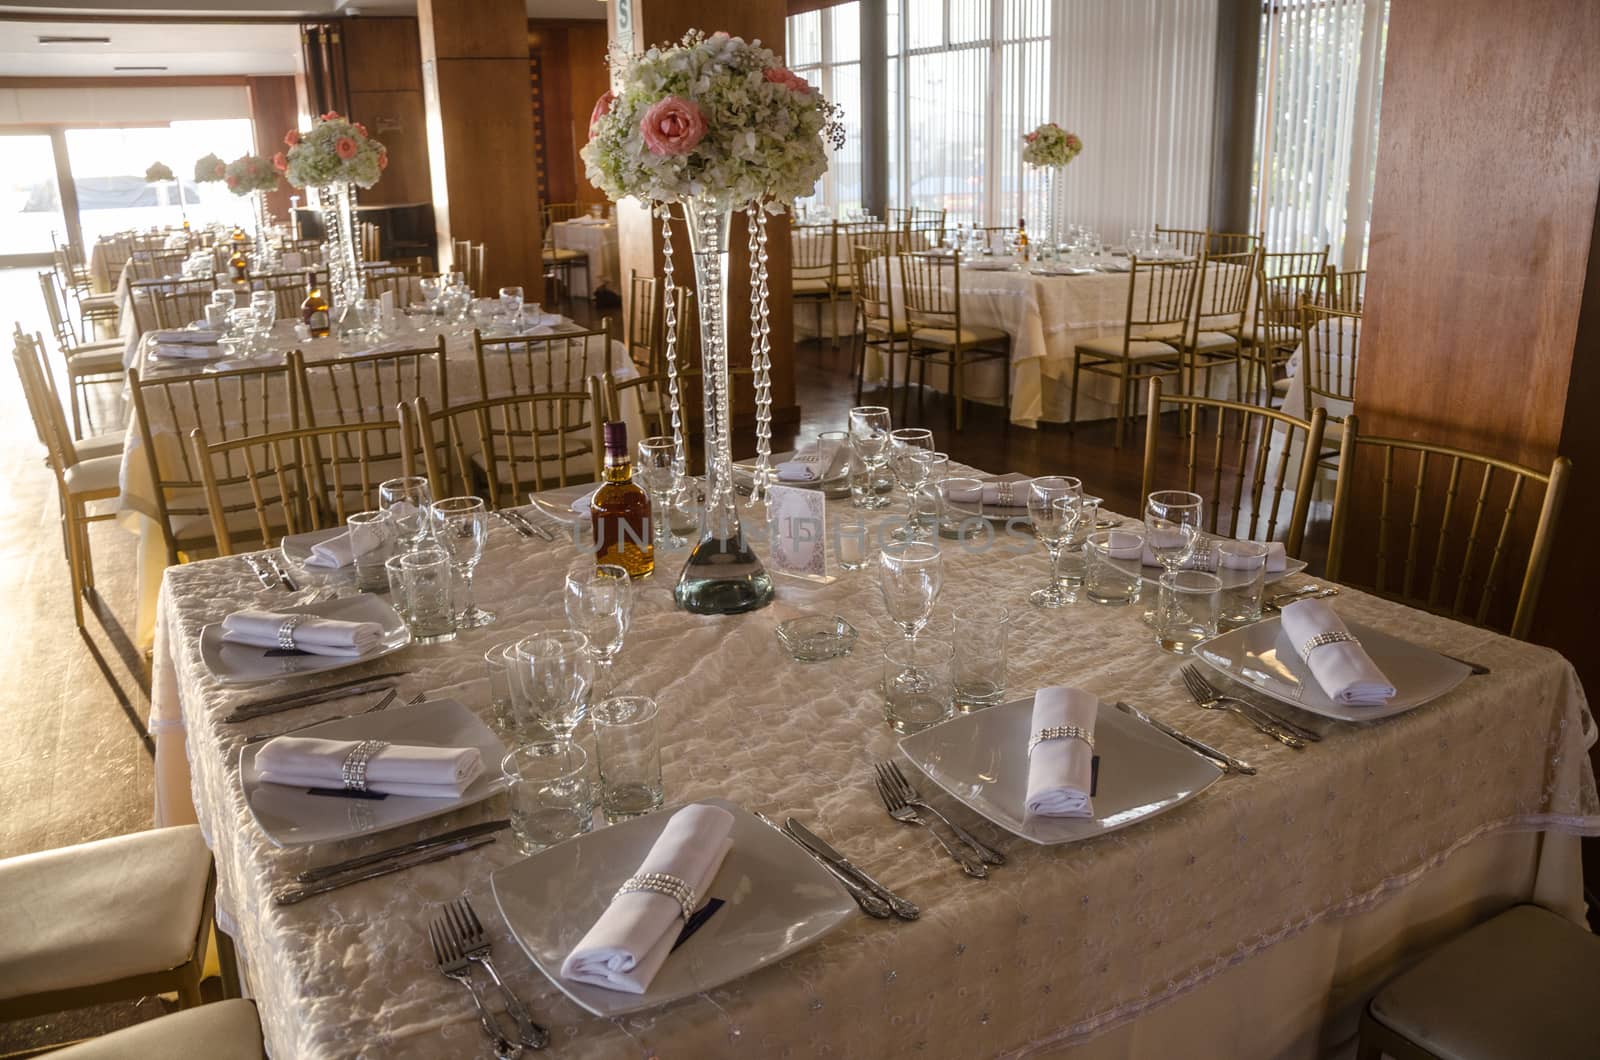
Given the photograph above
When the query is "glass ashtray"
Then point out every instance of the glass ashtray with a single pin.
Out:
(816, 638)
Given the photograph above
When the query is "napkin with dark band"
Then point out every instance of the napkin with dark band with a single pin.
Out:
(397, 769)
(1061, 770)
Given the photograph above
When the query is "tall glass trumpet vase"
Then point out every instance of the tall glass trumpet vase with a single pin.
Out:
(342, 245)
(723, 576)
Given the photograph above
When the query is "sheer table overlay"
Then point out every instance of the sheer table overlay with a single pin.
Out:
(1060, 945)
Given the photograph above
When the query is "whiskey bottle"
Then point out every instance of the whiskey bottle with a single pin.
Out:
(1022, 238)
(314, 310)
(620, 511)
(239, 267)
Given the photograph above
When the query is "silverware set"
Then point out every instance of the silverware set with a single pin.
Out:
(459, 942)
(1273, 604)
(874, 898)
(905, 805)
(518, 520)
(306, 697)
(1206, 695)
(270, 573)
(1226, 762)
(388, 698)
(397, 860)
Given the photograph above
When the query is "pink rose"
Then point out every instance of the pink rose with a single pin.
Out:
(1031, 137)
(673, 126)
(291, 137)
(362, 129)
(383, 160)
(602, 107)
(233, 182)
(221, 169)
(782, 75)
(332, 115)
(280, 163)
(346, 148)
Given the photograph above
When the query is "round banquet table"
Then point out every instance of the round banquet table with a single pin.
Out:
(598, 241)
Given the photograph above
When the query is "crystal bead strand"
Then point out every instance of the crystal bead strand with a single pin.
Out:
(758, 493)
(710, 286)
(669, 314)
(761, 357)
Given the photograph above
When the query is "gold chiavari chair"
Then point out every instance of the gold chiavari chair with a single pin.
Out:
(558, 262)
(87, 365)
(652, 389)
(169, 303)
(1152, 334)
(878, 326)
(1220, 244)
(1243, 464)
(118, 249)
(292, 481)
(371, 241)
(288, 289)
(1346, 290)
(404, 284)
(156, 264)
(1187, 241)
(80, 481)
(1284, 280)
(813, 271)
(235, 404)
(643, 329)
(69, 260)
(929, 224)
(651, 393)
(66, 335)
(562, 211)
(1426, 494)
(468, 258)
(1222, 297)
(105, 443)
(1328, 358)
(534, 364)
(515, 444)
(931, 287)
(98, 313)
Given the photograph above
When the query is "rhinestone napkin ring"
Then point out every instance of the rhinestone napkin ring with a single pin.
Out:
(1333, 636)
(1002, 495)
(1061, 732)
(354, 770)
(286, 631)
(661, 883)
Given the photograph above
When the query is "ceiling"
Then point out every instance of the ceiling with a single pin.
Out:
(230, 45)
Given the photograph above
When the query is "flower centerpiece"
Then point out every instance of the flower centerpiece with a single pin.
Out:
(160, 173)
(335, 157)
(1048, 149)
(255, 175)
(714, 124)
(208, 169)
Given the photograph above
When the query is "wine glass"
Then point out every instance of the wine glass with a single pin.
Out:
(369, 311)
(485, 312)
(461, 527)
(431, 287)
(264, 313)
(910, 573)
(511, 304)
(869, 437)
(555, 672)
(1172, 529)
(910, 457)
(599, 600)
(658, 474)
(407, 501)
(1054, 504)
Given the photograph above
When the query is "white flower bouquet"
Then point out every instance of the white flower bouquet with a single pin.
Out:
(1050, 146)
(158, 172)
(209, 168)
(336, 149)
(713, 118)
(250, 173)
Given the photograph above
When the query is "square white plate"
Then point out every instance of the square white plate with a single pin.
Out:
(290, 816)
(296, 549)
(982, 759)
(242, 664)
(778, 901)
(1260, 656)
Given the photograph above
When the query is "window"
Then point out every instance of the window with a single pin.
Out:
(825, 49)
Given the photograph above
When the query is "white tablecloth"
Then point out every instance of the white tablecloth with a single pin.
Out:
(1249, 922)
(599, 242)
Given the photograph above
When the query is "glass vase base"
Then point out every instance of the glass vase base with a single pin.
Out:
(723, 577)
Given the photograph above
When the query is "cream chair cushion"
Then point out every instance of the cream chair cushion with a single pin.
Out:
(563, 254)
(1209, 341)
(101, 911)
(1522, 984)
(100, 362)
(95, 475)
(108, 444)
(96, 347)
(809, 285)
(224, 1030)
(1138, 349)
(971, 335)
(98, 301)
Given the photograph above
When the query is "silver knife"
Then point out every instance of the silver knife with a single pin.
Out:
(537, 528)
(283, 575)
(361, 686)
(273, 734)
(518, 528)
(1478, 669)
(1228, 763)
(870, 903)
(291, 895)
(417, 846)
(260, 572)
(814, 843)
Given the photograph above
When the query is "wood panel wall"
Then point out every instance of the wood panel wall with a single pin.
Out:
(572, 56)
(273, 111)
(383, 64)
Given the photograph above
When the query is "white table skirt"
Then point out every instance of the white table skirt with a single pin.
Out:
(599, 243)
(1248, 922)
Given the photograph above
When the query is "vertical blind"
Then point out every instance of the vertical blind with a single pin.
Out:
(825, 49)
(1320, 84)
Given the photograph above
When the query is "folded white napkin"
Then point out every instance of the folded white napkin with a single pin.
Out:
(398, 769)
(186, 336)
(178, 351)
(628, 944)
(1060, 771)
(319, 636)
(536, 321)
(806, 465)
(1343, 668)
(797, 471)
(580, 505)
(1277, 558)
(1206, 557)
(993, 491)
(332, 553)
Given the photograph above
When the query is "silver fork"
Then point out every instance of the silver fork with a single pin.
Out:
(903, 812)
(469, 936)
(379, 705)
(892, 776)
(1207, 695)
(453, 964)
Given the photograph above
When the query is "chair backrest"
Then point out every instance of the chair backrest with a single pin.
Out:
(290, 481)
(870, 283)
(118, 249)
(1329, 355)
(156, 264)
(930, 285)
(1450, 524)
(925, 229)
(400, 281)
(230, 405)
(288, 289)
(526, 443)
(561, 211)
(540, 364)
(371, 241)
(1223, 295)
(1190, 241)
(468, 258)
(1160, 297)
(650, 391)
(169, 303)
(1280, 294)
(1346, 290)
(60, 323)
(367, 388)
(1220, 244)
(1240, 464)
(1275, 263)
(812, 253)
(644, 335)
(49, 422)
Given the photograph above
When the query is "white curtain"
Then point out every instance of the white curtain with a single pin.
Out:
(1321, 71)
(1136, 80)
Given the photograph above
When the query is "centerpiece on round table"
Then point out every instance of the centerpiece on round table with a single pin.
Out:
(1049, 148)
(208, 169)
(336, 157)
(714, 124)
(160, 173)
(254, 175)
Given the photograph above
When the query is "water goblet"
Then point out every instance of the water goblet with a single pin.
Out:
(869, 437)
(431, 287)
(599, 601)
(910, 454)
(369, 311)
(910, 574)
(461, 528)
(485, 312)
(658, 474)
(407, 500)
(1053, 507)
(511, 304)
(555, 671)
(1172, 529)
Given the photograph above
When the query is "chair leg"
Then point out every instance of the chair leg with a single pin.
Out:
(1123, 386)
(73, 386)
(1072, 404)
(87, 577)
(228, 962)
(833, 322)
(74, 561)
(956, 387)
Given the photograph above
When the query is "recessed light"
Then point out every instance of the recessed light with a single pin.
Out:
(74, 40)
(138, 68)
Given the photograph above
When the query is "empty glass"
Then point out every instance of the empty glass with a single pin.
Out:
(910, 573)
(627, 748)
(599, 601)
(498, 662)
(369, 313)
(1172, 529)
(511, 305)
(910, 459)
(978, 656)
(421, 585)
(829, 447)
(1189, 601)
(431, 287)
(371, 543)
(869, 437)
(555, 671)
(916, 684)
(853, 549)
(407, 501)
(551, 800)
(1053, 506)
(1113, 565)
(658, 475)
(1070, 566)
(963, 507)
(461, 528)
(1242, 567)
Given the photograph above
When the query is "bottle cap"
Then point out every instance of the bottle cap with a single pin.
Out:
(616, 437)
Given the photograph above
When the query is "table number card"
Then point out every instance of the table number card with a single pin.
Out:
(799, 523)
